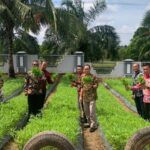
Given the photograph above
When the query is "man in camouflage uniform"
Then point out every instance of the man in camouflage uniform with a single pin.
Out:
(77, 84)
(88, 95)
(33, 89)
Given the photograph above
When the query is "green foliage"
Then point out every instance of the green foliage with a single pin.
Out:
(117, 85)
(11, 113)
(17, 83)
(54, 76)
(138, 49)
(87, 80)
(60, 115)
(37, 72)
(116, 122)
(141, 80)
(71, 76)
(125, 82)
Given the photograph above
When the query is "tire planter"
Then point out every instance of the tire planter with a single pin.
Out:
(48, 138)
(139, 140)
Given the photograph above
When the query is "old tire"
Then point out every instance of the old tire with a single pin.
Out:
(48, 138)
(139, 140)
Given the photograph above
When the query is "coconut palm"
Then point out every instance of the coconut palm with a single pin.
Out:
(12, 15)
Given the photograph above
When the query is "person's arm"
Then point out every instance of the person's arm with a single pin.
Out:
(95, 84)
(48, 78)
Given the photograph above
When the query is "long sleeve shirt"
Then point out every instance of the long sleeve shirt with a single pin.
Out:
(146, 90)
(46, 79)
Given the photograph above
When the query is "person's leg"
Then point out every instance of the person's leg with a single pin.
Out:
(31, 104)
(139, 106)
(93, 119)
(148, 111)
(87, 110)
(146, 116)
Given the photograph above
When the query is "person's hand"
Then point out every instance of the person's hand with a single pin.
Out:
(80, 99)
(94, 86)
(128, 87)
(30, 91)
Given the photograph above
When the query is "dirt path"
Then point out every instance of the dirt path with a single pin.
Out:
(93, 141)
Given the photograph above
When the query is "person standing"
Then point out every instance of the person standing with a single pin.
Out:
(88, 95)
(33, 90)
(79, 73)
(137, 94)
(46, 78)
(145, 85)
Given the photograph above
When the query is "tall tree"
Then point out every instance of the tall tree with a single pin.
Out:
(12, 15)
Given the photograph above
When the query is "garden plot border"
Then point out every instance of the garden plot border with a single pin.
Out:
(123, 99)
(80, 145)
(22, 123)
(15, 93)
(105, 141)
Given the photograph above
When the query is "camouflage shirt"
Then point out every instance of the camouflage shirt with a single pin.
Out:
(32, 84)
(88, 92)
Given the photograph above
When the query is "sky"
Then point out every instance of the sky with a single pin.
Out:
(124, 15)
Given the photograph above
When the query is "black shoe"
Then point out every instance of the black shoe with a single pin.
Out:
(92, 129)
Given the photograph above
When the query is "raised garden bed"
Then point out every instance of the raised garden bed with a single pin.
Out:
(117, 124)
(60, 115)
(117, 85)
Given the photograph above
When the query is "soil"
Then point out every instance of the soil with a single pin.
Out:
(11, 146)
(92, 140)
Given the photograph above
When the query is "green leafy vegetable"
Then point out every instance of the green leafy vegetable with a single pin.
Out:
(125, 82)
(71, 77)
(37, 72)
(87, 79)
(141, 80)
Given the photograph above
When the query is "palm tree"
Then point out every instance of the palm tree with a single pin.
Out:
(12, 14)
(27, 14)
(108, 39)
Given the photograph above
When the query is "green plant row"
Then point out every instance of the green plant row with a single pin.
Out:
(60, 115)
(117, 124)
(11, 85)
(11, 113)
(117, 85)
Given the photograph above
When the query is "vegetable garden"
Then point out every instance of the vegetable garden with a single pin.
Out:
(61, 114)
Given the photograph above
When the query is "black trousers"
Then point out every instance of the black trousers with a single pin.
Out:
(147, 111)
(35, 104)
(139, 105)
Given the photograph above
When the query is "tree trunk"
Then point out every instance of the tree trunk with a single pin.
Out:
(11, 71)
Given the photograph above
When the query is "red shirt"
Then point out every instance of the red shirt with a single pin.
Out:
(46, 78)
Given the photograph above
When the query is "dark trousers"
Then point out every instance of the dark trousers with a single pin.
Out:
(43, 96)
(139, 105)
(147, 111)
(34, 104)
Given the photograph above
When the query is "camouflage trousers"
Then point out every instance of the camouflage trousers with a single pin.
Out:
(90, 112)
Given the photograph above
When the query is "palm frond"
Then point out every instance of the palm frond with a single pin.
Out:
(98, 7)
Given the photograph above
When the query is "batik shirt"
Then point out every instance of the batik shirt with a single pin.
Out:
(88, 92)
